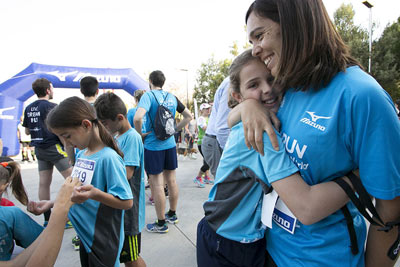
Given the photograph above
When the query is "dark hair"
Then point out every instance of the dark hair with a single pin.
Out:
(40, 87)
(71, 112)
(108, 106)
(89, 86)
(236, 67)
(312, 50)
(11, 173)
(138, 95)
(157, 78)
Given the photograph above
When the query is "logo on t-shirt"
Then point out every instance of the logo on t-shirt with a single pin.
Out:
(313, 121)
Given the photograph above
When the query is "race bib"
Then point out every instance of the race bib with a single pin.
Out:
(83, 170)
(268, 206)
(284, 217)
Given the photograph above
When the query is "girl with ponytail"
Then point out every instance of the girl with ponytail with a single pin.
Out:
(105, 193)
(16, 227)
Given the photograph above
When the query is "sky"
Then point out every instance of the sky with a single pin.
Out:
(143, 35)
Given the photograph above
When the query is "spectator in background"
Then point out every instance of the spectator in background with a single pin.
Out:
(25, 141)
(190, 136)
(202, 122)
(217, 130)
(48, 147)
(89, 88)
(160, 156)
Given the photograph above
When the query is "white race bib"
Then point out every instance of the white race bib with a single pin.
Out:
(83, 170)
(268, 206)
(284, 217)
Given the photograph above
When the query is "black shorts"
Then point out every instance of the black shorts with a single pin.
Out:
(216, 250)
(131, 248)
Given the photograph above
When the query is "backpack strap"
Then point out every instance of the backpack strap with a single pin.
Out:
(158, 103)
(362, 201)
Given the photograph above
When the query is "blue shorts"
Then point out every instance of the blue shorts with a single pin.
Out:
(216, 250)
(156, 162)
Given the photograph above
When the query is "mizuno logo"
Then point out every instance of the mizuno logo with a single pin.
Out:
(314, 117)
(61, 76)
(6, 117)
(313, 121)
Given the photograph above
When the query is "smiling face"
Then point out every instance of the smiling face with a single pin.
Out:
(255, 83)
(264, 35)
(78, 137)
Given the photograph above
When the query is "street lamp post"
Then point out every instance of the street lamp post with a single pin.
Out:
(187, 86)
(369, 5)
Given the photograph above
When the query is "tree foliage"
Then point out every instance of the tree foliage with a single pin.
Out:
(209, 77)
(385, 51)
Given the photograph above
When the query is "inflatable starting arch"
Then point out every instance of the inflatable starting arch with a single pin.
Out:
(16, 90)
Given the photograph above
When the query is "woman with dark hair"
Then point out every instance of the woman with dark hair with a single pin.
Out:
(335, 118)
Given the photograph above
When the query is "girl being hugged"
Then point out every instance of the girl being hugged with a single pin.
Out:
(105, 192)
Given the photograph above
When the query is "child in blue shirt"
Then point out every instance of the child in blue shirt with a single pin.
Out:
(231, 233)
(111, 111)
(98, 216)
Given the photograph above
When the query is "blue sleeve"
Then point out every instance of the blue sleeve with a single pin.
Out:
(276, 164)
(145, 101)
(374, 131)
(132, 150)
(130, 116)
(25, 229)
(117, 183)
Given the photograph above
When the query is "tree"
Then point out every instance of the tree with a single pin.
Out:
(209, 77)
(354, 36)
(386, 59)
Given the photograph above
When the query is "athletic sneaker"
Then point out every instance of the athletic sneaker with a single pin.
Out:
(154, 228)
(171, 219)
(76, 242)
(207, 180)
(198, 182)
(68, 225)
(151, 200)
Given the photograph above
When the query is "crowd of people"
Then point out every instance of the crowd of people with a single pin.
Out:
(295, 128)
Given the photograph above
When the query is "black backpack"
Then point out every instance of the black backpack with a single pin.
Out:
(164, 122)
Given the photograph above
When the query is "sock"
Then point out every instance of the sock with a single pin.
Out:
(47, 215)
(160, 222)
(171, 213)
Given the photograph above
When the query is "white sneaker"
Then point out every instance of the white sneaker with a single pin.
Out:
(193, 156)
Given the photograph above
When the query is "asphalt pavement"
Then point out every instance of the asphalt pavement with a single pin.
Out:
(177, 248)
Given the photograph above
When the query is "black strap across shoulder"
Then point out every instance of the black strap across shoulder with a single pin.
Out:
(362, 201)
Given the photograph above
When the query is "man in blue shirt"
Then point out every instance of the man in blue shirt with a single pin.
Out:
(217, 130)
(160, 156)
(48, 148)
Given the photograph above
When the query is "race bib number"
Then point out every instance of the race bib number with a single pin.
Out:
(83, 170)
(284, 217)
(268, 206)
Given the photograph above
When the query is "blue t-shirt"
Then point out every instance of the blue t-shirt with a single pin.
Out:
(149, 103)
(131, 114)
(100, 227)
(349, 124)
(34, 119)
(131, 145)
(16, 225)
(233, 209)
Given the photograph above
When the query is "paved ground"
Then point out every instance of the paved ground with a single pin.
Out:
(174, 249)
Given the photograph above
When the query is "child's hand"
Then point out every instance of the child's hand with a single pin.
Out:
(83, 193)
(39, 207)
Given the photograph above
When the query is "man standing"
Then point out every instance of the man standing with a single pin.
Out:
(217, 130)
(48, 148)
(89, 88)
(160, 156)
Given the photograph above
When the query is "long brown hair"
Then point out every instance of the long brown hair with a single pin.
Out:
(11, 173)
(312, 50)
(71, 112)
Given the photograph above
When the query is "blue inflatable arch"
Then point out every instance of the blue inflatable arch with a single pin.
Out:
(16, 90)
